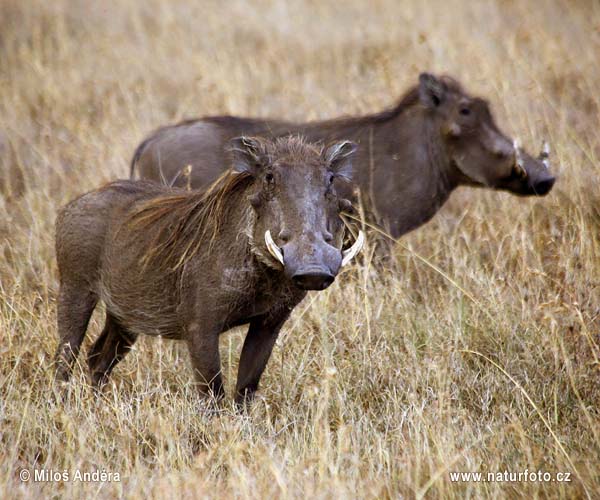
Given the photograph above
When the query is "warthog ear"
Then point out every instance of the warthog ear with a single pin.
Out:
(248, 154)
(432, 90)
(339, 156)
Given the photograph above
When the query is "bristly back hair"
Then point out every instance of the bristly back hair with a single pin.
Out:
(184, 221)
(409, 99)
(292, 148)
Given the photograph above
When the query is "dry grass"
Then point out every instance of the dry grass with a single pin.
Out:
(380, 385)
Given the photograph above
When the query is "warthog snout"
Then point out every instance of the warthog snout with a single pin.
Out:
(313, 279)
(543, 185)
(312, 266)
(534, 172)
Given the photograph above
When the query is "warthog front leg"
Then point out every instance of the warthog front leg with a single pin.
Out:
(75, 307)
(203, 344)
(258, 345)
(109, 349)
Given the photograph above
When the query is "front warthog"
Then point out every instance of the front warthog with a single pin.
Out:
(190, 265)
(411, 158)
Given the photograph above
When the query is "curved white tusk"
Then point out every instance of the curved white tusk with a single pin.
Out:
(274, 250)
(519, 158)
(349, 254)
(517, 148)
(546, 148)
(545, 154)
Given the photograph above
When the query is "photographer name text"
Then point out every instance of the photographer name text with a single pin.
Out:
(65, 476)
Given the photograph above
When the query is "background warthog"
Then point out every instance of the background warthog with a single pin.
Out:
(190, 265)
(412, 156)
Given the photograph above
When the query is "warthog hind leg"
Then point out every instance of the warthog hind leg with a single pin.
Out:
(109, 349)
(75, 307)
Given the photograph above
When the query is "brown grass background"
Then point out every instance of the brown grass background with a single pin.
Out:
(370, 392)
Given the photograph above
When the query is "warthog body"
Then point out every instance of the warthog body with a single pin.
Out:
(411, 156)
(190, 265)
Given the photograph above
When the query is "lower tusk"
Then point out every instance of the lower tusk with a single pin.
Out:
(519, 159)
(348, 255)
(545, 154)
(274, 250)
(517, 148)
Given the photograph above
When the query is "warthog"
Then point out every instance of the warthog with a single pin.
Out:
(412, 156)
(190, 265)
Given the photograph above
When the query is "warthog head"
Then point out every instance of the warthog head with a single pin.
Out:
(297, 222)
(476, 148)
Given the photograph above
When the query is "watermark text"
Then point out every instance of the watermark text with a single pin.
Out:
(66, 476)
(511, 477)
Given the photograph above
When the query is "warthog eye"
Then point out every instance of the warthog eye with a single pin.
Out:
(269, 177)
(465, 111)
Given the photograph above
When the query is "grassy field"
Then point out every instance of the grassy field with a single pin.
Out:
(479, 352)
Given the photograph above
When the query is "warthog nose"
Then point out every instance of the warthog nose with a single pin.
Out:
(543, 186)
(313, 279)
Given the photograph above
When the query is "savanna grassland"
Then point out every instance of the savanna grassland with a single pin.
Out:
(479, 350)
